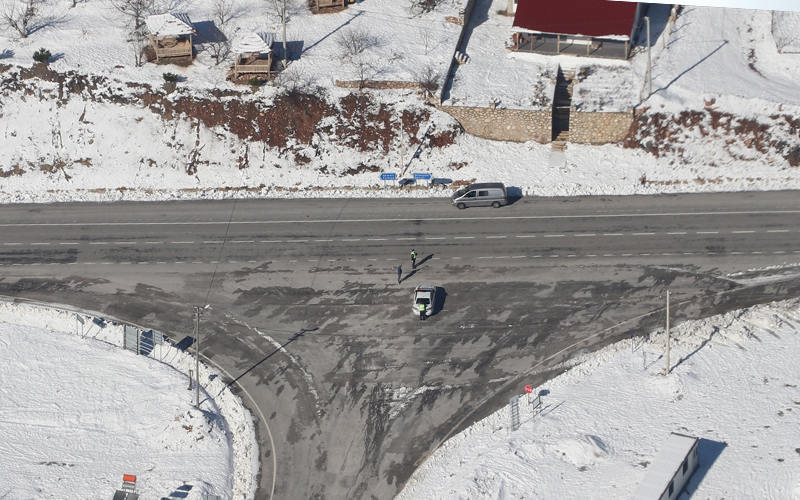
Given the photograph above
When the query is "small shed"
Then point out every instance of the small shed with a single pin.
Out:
(668, 474)
(253, 53)
(596, 28)
(170, 35)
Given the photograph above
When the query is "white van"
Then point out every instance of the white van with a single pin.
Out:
(481, 195)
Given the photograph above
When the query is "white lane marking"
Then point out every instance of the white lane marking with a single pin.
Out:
(351, 239)
(756, 253)
(779, 251)
(643, 234)
(456, 258)
(626, 255)
(69, 243)
(585, 234)
(707, 232)
(405, 239)
(296, 241)
(778, 231)
(678, 232)
(688, 253)
(571, 255)
(554, 256)
(742, 232)
(12, 244)
(644, 254)
(377, 239)
(372, 259)
(489, 257)
(435, 238)
(495, 237)
(553, 235)
(242, 241)
(608, 255)
(591, 255)
(40, 243)
(124, 242)
(391, 259)
(537, 256)
(526, 236)
(98, 243)
(518, 256)
(502, 257)
(340, 221)
(181, 242)
(666, 253)
(469, 237)
(210, 242)
(319, 241)
(272, 241)
(153, 242)
(613, 234)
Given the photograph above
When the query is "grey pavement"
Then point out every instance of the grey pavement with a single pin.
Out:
(312, 330)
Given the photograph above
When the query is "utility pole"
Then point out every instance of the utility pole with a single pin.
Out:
(649, 64)
(666, 372)
(198, 311)
(285, 53)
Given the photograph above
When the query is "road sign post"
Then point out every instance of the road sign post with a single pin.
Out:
(388, 177)
(422, 177)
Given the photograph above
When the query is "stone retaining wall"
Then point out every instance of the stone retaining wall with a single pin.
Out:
(523, 125)
(598, 128)
(514, 125)
(378, 84)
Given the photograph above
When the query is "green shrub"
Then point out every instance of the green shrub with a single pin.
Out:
(256, 82)
(42, 55)
(171, 77)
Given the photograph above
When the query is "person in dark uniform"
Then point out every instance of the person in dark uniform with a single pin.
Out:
(422, 312)
(399, 273)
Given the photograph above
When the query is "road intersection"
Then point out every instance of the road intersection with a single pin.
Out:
(308, 320)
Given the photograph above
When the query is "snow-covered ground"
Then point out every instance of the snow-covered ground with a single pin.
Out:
(717, 60)
(77, 412)
(734, 384)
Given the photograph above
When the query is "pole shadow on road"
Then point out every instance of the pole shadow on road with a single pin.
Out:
(292, 339)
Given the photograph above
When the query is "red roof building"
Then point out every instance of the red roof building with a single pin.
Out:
(593, 28)
(590, 18)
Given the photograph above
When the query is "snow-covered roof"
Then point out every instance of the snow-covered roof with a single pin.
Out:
(663, 468)
(253, 42)
(169, 24)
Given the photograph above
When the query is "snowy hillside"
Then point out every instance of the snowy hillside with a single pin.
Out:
(93, 126)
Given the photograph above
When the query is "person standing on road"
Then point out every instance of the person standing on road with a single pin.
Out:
(399, 273)
(413, 259)
(422, 312)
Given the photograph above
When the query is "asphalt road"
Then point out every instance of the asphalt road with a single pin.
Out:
(349, 389)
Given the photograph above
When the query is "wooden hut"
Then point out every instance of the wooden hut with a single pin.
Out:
(253, 53)
(170, 35)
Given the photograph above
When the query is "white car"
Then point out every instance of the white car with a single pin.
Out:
(424, 294)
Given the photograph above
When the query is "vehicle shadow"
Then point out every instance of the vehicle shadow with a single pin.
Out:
(439, 299)
(514, 194)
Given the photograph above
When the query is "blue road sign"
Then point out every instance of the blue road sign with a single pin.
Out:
(422, 176)
(388, 177)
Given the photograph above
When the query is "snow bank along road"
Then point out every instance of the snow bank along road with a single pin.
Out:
(307, 317)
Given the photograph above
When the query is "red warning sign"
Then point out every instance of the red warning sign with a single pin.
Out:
(528, 389)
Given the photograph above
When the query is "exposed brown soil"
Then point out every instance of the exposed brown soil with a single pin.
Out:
(291, 120)
(659, 133)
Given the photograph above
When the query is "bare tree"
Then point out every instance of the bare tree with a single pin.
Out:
(219, 44)
(134, 11)
(419, 7)
(355, 40)
(428, 79)
(22, 15)
(425, 37)
(138, 40)
(362, 67)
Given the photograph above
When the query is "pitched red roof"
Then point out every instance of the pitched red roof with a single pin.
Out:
(576, 17)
